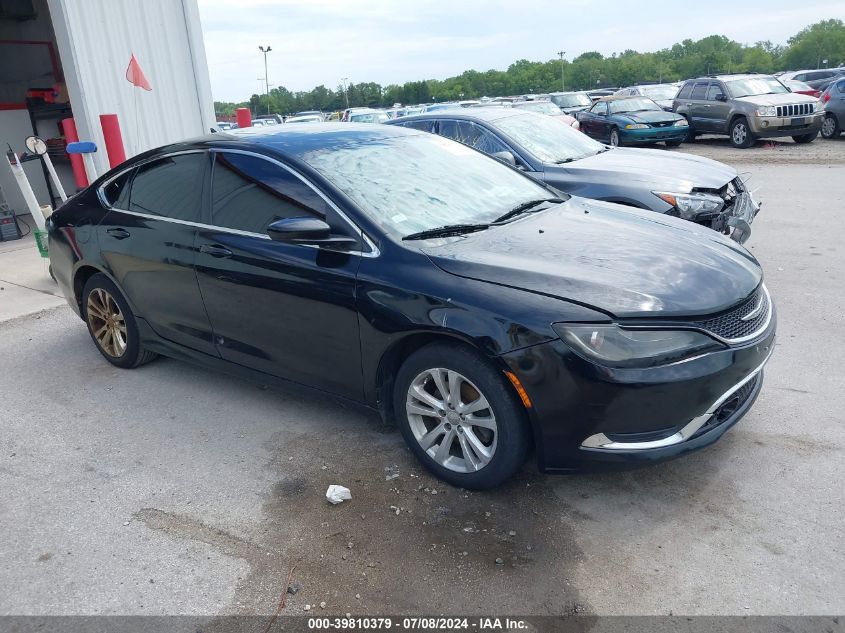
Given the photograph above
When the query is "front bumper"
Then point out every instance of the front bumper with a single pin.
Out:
(772, 126)
(654, 134)
(588, 417)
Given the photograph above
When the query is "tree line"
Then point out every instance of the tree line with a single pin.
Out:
(818, 45)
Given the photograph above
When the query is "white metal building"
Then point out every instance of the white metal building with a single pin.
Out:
(81, 50)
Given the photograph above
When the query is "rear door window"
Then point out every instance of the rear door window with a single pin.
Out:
(170, 187)
(116, 192)
(248, 193)
(699, 93)
(423, 126)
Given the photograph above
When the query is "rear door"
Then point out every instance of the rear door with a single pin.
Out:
(147, 240)
(283, 309)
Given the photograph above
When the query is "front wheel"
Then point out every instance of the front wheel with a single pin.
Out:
(615, 139)
(741, 136)
(674, 143)
(460, 417)
(111, 324)
(830, 126)
(805, 138)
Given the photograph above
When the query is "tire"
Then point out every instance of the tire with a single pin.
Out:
(502, 438)
(805, 138)
(614, 138)
(674, 143)
(740, 133)
(830, 126)
(111, 324)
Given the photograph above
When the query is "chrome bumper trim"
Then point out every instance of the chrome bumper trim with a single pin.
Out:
(601, 441)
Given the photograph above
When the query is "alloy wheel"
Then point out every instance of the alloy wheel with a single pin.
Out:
(828, 127)
(452, 420)
(740, 132)
(614, 138)
(107, 323)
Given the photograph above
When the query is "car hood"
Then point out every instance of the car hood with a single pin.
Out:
(625, 262)
(658, 169)
(650, 116)
(779, 99)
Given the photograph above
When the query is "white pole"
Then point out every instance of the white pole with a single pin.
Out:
(28, 194)
(89, 167)
(55, 177)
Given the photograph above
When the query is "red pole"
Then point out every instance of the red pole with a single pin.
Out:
(244, 117)
(113, 138)
(71, 136)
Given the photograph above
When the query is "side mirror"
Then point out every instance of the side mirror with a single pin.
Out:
(308, 231)
(505, 157)
(721, 97)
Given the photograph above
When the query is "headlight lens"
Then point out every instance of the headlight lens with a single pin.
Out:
(636, 126)
(681, 123)
(819, 105)
(614, 346)
(767, 111)
(689, 205)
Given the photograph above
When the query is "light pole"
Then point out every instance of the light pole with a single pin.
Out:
(343, 81)
(265, 50)
(562, 82)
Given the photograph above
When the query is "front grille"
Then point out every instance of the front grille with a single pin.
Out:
(730, 406)
(731, 326)
(663, 124)
(798, 109)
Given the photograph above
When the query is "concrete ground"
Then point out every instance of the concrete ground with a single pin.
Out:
(170, 489)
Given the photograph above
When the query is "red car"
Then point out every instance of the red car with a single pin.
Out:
(801, 88)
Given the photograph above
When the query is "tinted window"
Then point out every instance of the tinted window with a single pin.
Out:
(475, 136)
(117, 191)
(841, 86)
(248, 193)
(713, 91)
(424, 126)
(170, 187)
(685, 91)
(699, 92)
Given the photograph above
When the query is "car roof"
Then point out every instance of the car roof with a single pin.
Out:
(623, 97)
(492, 113)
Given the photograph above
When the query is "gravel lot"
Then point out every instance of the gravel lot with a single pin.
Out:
(171, 489)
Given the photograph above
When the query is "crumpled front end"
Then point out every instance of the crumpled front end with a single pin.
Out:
(739, 210)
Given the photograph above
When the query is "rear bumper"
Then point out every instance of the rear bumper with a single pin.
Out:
(772, 126)
(587, 417)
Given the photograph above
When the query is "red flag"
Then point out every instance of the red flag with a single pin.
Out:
(135, 75)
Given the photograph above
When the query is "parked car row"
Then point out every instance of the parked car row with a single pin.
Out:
(455, 286)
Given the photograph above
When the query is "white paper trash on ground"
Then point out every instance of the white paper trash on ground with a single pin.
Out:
(336, 494)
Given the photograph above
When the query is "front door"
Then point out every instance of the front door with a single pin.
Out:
(283, 309)
(147, 240)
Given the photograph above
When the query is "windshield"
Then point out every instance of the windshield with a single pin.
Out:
(543, 107)
(660, 93)
(422, 181)
(574, 100)
(632, 105)
(548, 139)
(755, 86)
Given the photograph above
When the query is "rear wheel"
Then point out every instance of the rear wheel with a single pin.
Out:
(111, 324)
(830, 126)
(460, 417)
(805, 138)
(741, 136)
(615, 139)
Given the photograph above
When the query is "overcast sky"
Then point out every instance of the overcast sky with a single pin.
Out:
(320, 41)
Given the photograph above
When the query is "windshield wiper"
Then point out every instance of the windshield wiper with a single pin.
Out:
(446, 231)
(523, 208)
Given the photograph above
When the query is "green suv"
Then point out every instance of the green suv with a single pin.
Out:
(748, 107)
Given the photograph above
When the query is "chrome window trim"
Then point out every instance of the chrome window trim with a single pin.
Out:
(374, 252)
(602, 442)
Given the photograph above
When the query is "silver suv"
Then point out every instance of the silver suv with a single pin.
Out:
(748, 107)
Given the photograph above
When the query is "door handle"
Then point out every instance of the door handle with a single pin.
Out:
(119, 234)
(215, 251)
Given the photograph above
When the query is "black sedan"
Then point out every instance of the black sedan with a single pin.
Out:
(698, 189)
(482, 311)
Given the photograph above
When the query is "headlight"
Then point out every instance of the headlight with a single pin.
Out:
(767, 111)
(681, 123)
(691, 204)
(636, 126)
(614, 346)
(819, 105)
